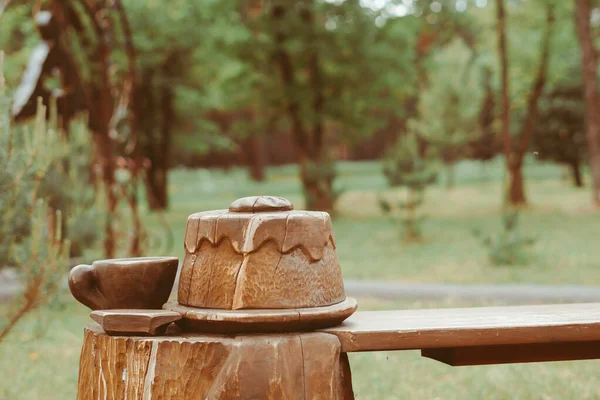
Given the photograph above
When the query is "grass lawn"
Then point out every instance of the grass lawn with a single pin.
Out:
(560, 216)
(40, 359)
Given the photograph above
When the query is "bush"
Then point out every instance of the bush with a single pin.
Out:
(41, 165)
(509, 247)
(67, 188)
(40, 197)
(404, 167)
(26, 243)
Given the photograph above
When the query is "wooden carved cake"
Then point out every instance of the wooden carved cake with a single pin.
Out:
(263, 264)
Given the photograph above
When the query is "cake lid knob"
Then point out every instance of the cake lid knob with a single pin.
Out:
(256, 204)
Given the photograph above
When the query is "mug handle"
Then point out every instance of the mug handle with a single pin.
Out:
(84, 287)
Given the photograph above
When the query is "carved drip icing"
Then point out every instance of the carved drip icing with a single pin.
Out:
(248, 232)
(260, 254)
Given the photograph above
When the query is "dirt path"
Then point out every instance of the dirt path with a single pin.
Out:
(509, 293)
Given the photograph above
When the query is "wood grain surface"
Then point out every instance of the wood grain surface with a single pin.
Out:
(481, 326)
(134, 322)
(515, 353)
(293, 366)
(269, 320)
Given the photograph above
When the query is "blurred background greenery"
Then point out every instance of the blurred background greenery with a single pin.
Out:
(452, 141)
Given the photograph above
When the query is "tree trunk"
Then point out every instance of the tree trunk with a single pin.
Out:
(505, 102)
(158, 118)
(318, 199)
(167, 108)
(450, 162)
(99, 122)
(450, 176)
(576, 173)
(104, 147)
(565, 174)
(283, 366)
(309, 142)
(411, 233)
(516, 189)
(319, 189)
(592, 97)
(157, 185)
(133, 148)
(317, 184)
(255, 151)
(514, 155)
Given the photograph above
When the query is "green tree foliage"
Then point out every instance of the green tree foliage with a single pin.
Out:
(327, 59)
(449, 108)
(236, 69)
(169, 85)
(17, 38)
(560, 134)
(213, 74)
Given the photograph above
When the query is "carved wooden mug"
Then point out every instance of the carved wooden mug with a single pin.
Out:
(135, 283)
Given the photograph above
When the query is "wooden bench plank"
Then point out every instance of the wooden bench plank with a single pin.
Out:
(515, 353)
(480, 326)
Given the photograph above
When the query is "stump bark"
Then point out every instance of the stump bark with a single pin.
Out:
(194, 366)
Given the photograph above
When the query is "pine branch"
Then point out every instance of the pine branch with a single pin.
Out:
(3, 5)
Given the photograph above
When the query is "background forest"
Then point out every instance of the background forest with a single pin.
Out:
(452, 141)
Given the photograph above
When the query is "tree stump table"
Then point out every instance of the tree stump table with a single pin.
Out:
(195, 366)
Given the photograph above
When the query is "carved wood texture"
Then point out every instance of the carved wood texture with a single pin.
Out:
(135, 322)
(260, 261)
(460, 327)
(293, 366)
